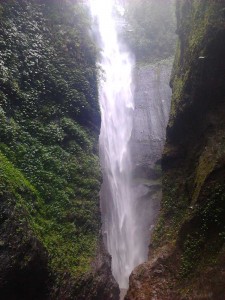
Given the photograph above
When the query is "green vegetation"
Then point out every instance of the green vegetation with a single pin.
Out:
(173, 211)
(191, 224)
(203, 244)
(150, 30)
(195, 24)
(190, 166)
(49, 120)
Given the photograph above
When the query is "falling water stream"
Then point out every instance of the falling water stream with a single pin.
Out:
(116, 102)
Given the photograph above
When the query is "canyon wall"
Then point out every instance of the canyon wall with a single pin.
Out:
(152, 97)
(50, 244)
(187, 257)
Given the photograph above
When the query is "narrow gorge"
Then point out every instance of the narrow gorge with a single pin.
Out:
(134, 104)
(112, 142)
(116, 102)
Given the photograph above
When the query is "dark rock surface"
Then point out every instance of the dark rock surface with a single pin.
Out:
(98, 284)
(187, 256)
(24, 270)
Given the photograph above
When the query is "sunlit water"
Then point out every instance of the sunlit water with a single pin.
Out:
(121, 231)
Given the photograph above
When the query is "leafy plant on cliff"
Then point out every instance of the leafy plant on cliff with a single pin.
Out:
(49, 119)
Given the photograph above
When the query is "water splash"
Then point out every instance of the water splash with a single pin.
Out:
(121, 231)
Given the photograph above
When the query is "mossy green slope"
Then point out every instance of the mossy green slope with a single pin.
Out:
(49, 124)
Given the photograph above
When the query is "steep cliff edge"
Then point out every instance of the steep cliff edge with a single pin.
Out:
(50, 245)
(187, 253)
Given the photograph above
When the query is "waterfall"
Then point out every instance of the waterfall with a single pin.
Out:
(118, 205)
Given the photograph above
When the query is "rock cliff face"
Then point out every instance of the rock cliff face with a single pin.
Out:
(152, 99)
(152, 105)
(187, 256)
(50, 245)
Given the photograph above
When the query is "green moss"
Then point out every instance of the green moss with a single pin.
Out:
(14, 182)
(191, 222)
(194, 28)
(49, 122)
(159, 231)
(205, 166)
(70, 248)
(191, 255)
(202, 246)
(173, 211)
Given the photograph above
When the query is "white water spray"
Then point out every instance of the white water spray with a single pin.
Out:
(121, 231)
